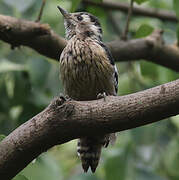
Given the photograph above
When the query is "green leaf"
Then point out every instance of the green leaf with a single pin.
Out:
(20, 177)
(144, 30)
(176, 7)
(74, 5)
(97, 11)
(2, 136)
(6, 66)
(140, 1)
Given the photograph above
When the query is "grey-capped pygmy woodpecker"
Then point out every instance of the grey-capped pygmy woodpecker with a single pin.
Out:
(87, 69)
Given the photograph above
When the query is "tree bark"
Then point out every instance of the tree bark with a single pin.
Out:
(42, 39)
(63, 121)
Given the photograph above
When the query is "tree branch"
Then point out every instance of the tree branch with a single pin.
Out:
(138, 11)
(45, 41)
(35, 35)
(151, 48)
(124, 36)
(61, 122)
(41, 11)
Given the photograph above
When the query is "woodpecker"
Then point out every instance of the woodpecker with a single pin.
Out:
(87, 69)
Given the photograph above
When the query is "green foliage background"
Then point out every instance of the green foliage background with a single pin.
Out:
(29, 81)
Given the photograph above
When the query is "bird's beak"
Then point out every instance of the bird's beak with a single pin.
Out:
(65, 13)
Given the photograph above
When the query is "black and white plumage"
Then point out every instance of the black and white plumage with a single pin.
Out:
(87, 69)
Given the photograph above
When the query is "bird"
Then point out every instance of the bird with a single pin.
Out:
(87, 70)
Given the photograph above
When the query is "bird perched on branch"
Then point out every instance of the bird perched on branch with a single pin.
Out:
(87, 69)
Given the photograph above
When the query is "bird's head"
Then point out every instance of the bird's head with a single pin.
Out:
(81, 23)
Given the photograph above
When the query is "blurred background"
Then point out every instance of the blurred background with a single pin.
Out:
(29, 81)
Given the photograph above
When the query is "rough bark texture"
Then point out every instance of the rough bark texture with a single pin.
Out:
(42, 39)
(61, 122)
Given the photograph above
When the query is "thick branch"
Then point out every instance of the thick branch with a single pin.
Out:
(61, 122)
(151, 48)
(32, 34)
(140, 11)
(42, 39)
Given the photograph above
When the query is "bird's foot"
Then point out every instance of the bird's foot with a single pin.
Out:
(102, 95)
(64, 98)
(59, 101)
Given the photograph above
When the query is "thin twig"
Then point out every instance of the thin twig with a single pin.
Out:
(124, 36)
(41, 11)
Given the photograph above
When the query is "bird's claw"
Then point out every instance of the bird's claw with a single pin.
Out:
(64, 98)
(102, 95)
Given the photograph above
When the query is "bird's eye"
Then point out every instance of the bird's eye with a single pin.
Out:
(80, 18)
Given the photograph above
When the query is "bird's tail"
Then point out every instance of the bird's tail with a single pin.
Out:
(89, 151)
